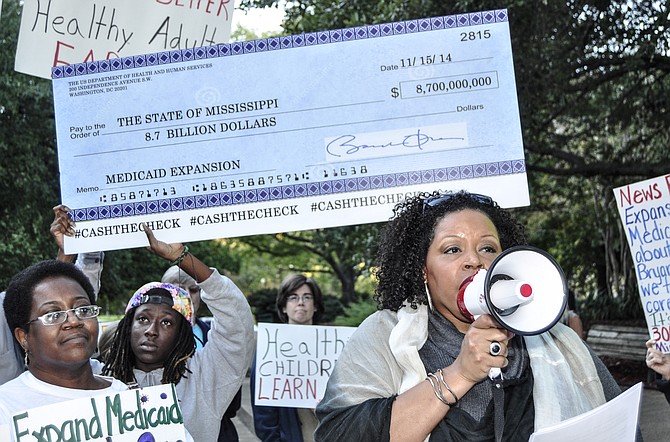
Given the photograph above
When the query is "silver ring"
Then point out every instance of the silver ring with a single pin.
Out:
(495, 348)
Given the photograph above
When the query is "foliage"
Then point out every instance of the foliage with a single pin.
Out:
(601, 307)
(593, 88)
(29, 172)
(240, 33)
(343, 252)
(262, 304)
(333, 308)
(356, 312)
(127, 270)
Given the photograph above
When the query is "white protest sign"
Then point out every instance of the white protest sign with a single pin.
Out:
(4, 432)
(145, 414)
(63, 32)
(294, 362)
(644, 208)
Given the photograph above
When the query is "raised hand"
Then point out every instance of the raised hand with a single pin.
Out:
(61, 226)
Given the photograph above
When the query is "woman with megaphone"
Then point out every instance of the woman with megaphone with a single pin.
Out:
(424, 367)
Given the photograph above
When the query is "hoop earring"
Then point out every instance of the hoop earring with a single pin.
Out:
(25, 358)
(430, 300)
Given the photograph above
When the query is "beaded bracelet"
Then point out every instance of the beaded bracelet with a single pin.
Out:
(178, 261)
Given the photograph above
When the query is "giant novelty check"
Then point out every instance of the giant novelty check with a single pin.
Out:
(282, 134)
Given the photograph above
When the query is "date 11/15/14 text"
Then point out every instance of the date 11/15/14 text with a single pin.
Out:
(422, 60)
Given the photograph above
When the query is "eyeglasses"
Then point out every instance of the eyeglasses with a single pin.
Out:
(303, 298)
(439, 199)
(55, 318)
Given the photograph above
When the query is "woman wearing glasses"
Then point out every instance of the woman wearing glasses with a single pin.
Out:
(299, 302)
(51, 309)
(11, 358)
(419, 368)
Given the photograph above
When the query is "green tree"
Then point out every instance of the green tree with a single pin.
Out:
(343, 252)
(240, 33)
(592, 82)
(356, 312)
(29, 172)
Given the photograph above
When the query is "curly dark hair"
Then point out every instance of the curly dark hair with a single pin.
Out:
(289, 285)
(18, 301)
(404, 242)
(121, 359)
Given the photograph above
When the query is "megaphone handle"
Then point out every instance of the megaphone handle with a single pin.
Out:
(495, 374)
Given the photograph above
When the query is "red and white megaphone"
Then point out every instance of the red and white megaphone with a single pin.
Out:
(524, 290)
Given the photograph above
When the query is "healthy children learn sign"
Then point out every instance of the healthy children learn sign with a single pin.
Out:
(294, 362)
(146, 414)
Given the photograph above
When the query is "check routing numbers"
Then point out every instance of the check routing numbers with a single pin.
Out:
(231, 168)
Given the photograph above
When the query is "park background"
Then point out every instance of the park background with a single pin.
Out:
(593, 92)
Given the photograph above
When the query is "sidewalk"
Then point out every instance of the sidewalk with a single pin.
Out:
(245, 433)
(654, 417)
(244, 421)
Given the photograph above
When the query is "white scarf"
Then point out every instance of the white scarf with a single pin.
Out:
(566, 382)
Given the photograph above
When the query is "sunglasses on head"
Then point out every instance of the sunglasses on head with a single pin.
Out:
(436, 200)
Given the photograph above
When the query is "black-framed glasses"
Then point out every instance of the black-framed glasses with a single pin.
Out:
(439, 199)
(303, 298)
(55, 318)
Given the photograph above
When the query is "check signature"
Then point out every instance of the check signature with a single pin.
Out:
(346, 144)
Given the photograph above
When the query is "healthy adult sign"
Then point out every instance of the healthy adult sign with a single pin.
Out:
(64, 32)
